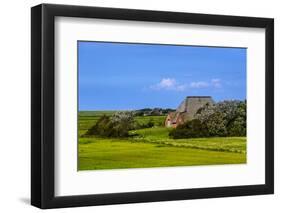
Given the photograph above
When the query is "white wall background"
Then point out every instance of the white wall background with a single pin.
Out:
(15, 105)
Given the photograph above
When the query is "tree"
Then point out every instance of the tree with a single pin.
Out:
(122, 122)
(216, 124)
(238, 125)
(226, 118)
(103, 127)
(118, 125)
(205, 112)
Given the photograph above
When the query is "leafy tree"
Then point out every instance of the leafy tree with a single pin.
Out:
(204, 112)
(238, 125)
(215, 124)
(122, 122)
(226, 118)
(103, 127)
(118, 125)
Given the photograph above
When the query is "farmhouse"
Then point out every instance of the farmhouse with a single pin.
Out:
(187, 109)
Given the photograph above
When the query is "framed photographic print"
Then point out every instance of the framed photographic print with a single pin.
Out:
(139, 106)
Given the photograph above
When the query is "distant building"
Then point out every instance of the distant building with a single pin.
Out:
(187, 110)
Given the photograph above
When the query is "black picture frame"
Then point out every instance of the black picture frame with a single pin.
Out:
(43, 110)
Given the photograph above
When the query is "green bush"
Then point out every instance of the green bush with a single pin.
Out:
(238, 125)
(149, 124)
(190, 129)
(103, 127)
(118, 125)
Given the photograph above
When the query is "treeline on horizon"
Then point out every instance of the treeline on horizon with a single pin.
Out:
(153, 111)
(157, 111)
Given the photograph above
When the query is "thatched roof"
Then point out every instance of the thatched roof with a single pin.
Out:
(192, 103)
(189, 107)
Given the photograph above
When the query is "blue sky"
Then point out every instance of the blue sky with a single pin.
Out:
(122, 76)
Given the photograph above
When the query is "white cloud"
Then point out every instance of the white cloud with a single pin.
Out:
(216, 82)
(168, 84)
(199, 84)
(172, 84)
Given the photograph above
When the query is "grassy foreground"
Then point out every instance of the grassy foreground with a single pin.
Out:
(152, 147)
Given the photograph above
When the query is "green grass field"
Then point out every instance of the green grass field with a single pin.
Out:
(152, 147)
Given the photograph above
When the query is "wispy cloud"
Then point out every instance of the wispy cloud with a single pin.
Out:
(168, 84)
(216, 82)
(173, 84)
(199, 84)
(213, 83)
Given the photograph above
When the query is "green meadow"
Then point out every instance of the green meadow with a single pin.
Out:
(152, 147)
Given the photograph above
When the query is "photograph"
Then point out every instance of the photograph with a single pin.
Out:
(151, 105)
(136, 105)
